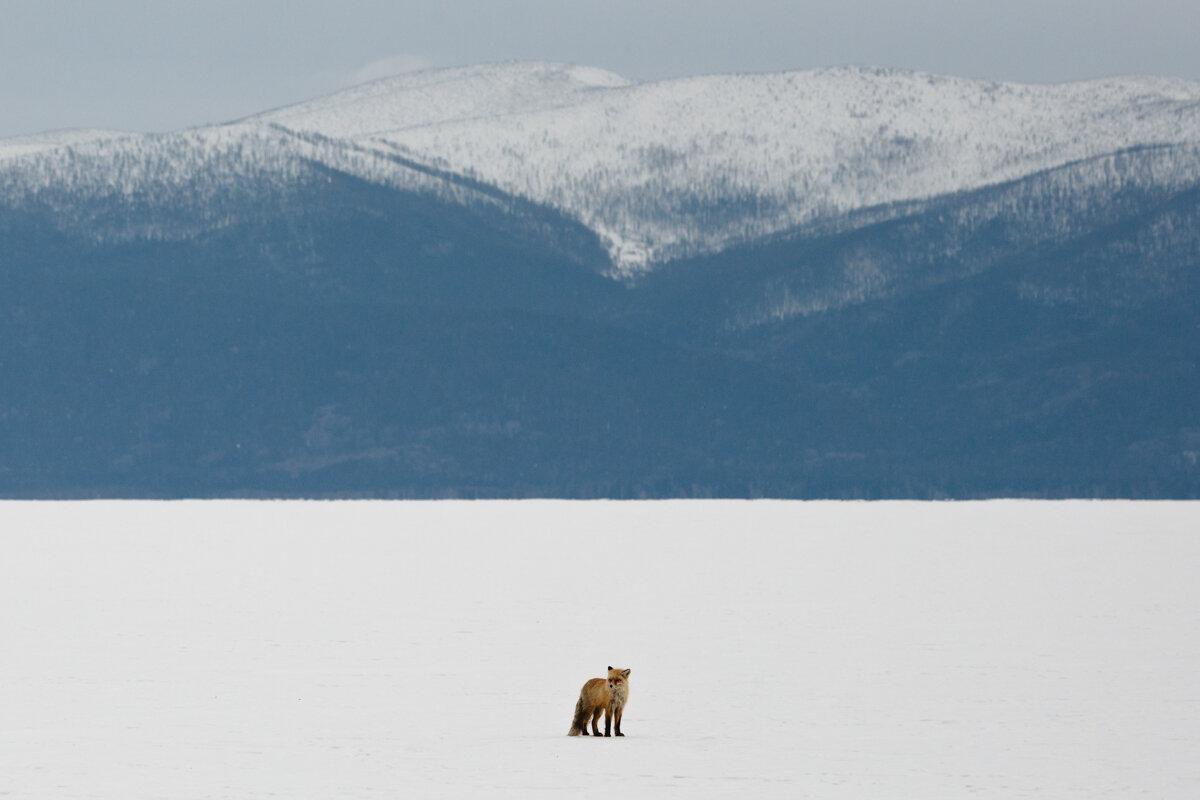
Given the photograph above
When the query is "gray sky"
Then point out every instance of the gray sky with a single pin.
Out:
(165, 64)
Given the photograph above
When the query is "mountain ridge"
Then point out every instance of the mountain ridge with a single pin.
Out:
(682, 167)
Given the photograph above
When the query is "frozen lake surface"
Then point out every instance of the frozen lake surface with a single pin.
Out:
(384, 650)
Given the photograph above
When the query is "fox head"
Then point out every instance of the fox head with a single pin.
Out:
(617, 678)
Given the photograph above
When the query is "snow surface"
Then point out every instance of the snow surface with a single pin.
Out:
(778, 649)
(53, 140)
(660, 170)
(436, 97)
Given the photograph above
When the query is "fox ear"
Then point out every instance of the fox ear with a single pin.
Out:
(610, 666)
(625, 673)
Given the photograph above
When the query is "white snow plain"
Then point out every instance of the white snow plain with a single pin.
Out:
(778, 649)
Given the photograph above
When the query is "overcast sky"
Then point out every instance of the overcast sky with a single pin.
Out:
(152, 65)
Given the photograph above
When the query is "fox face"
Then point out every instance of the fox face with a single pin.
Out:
(616, 680)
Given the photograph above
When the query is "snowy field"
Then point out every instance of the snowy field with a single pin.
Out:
(387, 650)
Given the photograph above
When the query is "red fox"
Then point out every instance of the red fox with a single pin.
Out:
(601, 695)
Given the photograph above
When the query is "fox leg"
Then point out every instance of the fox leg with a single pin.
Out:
(617, 714)
(596, 722)
(608, 718)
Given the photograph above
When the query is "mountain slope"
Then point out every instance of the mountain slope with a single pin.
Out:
(996, 349)
(409, 348)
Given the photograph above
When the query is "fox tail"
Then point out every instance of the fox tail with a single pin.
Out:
(577, 727)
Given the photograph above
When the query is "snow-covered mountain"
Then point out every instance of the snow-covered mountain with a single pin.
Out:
(686, 166)
(659, 171)
(837, 283)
